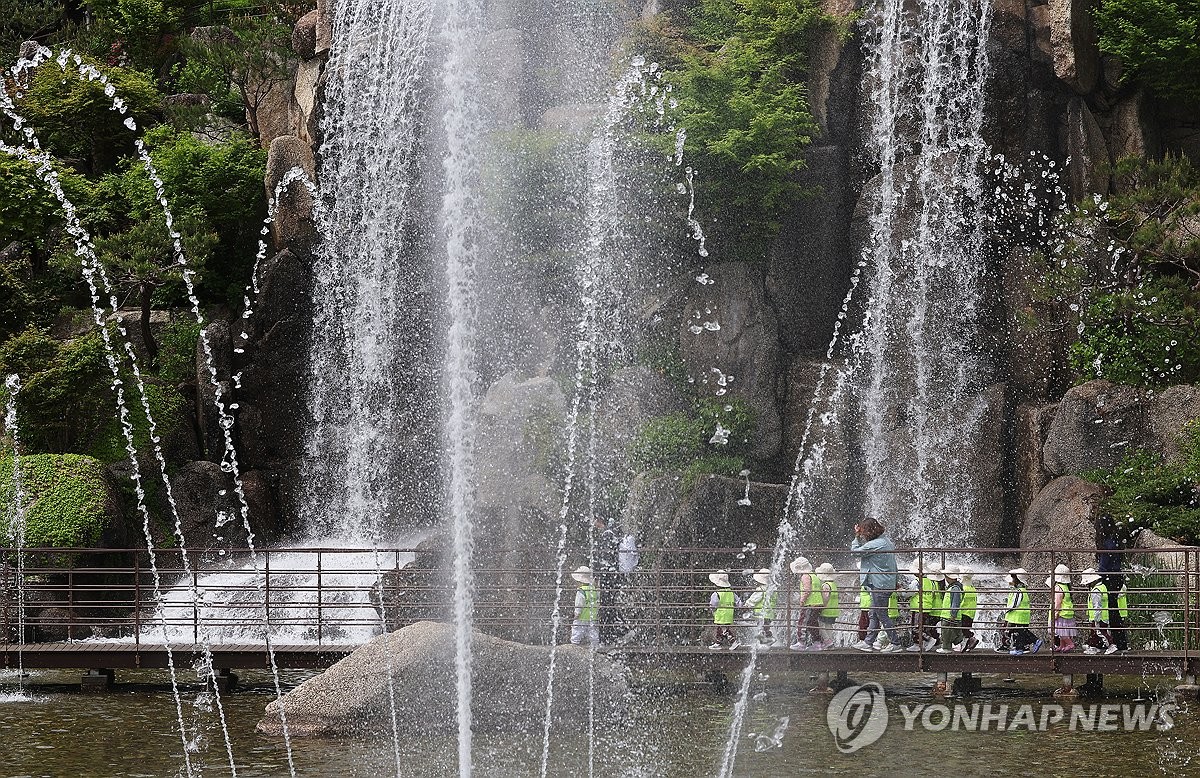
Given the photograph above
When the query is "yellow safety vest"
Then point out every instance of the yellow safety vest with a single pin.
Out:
(864, 599)
(724, 612)
(928, 597)
(814, 594)
(1018, 608)
(945, 611)
(1068, 607)
(894, 606)
(970, 601)
(591, 605)
(765, 607)
(833, 609)
(1123, 602)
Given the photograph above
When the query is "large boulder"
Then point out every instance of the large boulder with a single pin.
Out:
(295, 227)
(729, 326)
(1097, 423)
(351, 698)
(209, 509)
(304, 35)
(1063, 516)
(1088, 172)
(1074, 43)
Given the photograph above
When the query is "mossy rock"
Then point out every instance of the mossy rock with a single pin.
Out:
(67, 498)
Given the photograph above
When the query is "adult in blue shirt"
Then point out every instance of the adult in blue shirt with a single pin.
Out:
(877, 570)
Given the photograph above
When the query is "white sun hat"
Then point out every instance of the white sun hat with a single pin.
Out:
(1061, 574)
(720, 579)
(1019, 572)
(933, 571)
(952, 571)
(825, 571)
(1089, 577)
(583, 574)
(763, 576)
(801, 565)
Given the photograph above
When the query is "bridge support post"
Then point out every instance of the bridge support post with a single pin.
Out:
(1094, 686)
(967, 683)
(942, 687)
(822, 685)
(841, 681)
(1068, 687)
(97, 680)
(226, 680)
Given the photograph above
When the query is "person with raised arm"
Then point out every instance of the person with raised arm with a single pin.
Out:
(877, 572)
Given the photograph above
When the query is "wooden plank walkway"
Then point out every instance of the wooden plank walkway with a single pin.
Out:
(125, 655)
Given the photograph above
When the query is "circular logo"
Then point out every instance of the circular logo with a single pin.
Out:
(857, 716)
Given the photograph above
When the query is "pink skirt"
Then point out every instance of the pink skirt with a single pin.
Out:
(1065, 628)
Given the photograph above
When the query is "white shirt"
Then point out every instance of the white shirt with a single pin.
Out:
(627, 556)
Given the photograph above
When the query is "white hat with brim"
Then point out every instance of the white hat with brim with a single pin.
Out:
(1089, 577)
(719, 579)
(1019, 572)
(583, 574)
(951, 572)
(825, 571)
(763, 576)
(1061, 574)
(801, 565)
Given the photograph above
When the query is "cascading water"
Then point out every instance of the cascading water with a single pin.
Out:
(924, 374)
(16, 526)
(370, 448)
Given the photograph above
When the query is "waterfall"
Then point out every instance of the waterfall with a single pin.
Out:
(924, 373)
(370, 400)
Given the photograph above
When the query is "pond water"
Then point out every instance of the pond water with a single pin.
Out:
(130, 733)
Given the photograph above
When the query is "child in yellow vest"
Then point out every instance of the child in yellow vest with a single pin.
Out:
(1062, 610)
(830, 607)
(763, 606)
(1100, 638)
(723, 604)
(586, 626)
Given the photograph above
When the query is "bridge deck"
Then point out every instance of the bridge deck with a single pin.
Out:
(123, 655)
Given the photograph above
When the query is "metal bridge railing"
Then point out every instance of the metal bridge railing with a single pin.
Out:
(346, 596)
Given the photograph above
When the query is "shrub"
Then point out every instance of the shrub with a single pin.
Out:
(679, 440)
(66, 398)
(738, 75)
(711, 465)
(1158, 41)
(1147, 336)
(1150, 493)
(65, 498)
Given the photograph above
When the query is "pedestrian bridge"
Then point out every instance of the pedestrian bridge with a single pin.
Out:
(309, 607)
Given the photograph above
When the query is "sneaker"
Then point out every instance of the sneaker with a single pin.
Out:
(1001, 650)
(1036, 647)
(1090, 651)
(1110, 650)
(863, 645)
(930, 643)
(970, 644)
(1016, 652)
(828, 644)
(944, 651)
(735, 644)
(913, 647)
(797, 646)
(714, 647)
(891, 648)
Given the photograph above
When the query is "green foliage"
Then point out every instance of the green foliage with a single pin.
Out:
(711, 465)
(1158, 41)
(66, 399)
(249, 58)
(1130, 266)
(177, 357)
(216, 194)
(1148, 492)
(22, 20)
(738, 68)
(75, 120)
(678, 440)
(1147, 336)
(64, 499)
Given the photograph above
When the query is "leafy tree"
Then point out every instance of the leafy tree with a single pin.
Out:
(249, 57)
(1157, 40)
(1130, 267)
(74, 117)
(29, 215)
(215, 191)
(22, 20)
(738, 71)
